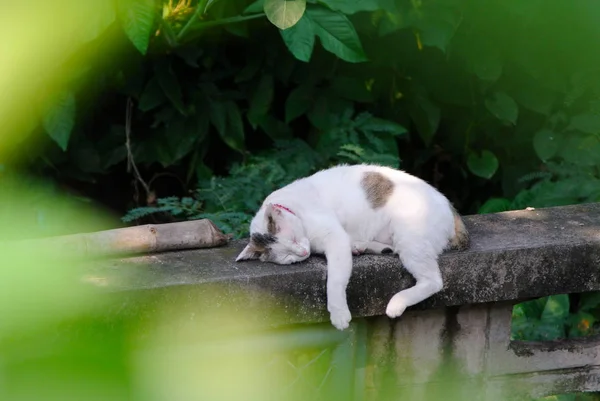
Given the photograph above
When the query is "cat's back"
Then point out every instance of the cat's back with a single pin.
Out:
(354, 183)
(347, 175)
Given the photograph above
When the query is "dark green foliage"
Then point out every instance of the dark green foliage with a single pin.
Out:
(549, 318)
(496, 103)
(231, 201)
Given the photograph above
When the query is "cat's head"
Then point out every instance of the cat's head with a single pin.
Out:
(277, 237)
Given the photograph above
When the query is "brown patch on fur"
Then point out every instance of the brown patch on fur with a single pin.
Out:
(377, 187)
(271, 226)
(461, 240)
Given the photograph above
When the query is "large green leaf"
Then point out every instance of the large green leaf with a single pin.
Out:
(298, 102)
(588, 123)
(235, 132)
(554, 317)
(483, 165)
(349, 7)
(60, 118)
(495, 205)
(137, 18)
(261, 100)
(255, 8)
(184, 133)
(152, 96)
(226, 118)
(503, 107)
(284, 13)
(437, 29)
(583, 150)
(300, 39)
(426, 116)
(546, 143)
(375, 124)
(169, 83)
(337, 34)
(275, 128)
(534, 96)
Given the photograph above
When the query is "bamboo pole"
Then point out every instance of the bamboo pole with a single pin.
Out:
(149, 238)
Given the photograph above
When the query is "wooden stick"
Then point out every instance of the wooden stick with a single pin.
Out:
(148, 238)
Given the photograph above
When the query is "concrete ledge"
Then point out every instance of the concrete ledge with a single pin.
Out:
(514, 256)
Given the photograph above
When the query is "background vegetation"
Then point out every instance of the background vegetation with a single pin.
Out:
(180, 109)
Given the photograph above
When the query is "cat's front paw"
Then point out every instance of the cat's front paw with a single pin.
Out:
(341, 319)
(356, 251)
(395, 307)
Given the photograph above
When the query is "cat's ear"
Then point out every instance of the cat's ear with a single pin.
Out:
(273, 217)
(272, 211)
(249, 252)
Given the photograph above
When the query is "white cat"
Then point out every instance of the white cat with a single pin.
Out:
(349, 210)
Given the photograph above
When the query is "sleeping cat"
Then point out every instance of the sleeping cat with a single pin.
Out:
(348, 210)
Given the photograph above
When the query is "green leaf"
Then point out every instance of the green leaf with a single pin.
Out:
(190, 54)
(488, 67)
(534, 96)
(300, 39)
(261, 100)
(218, 117)
(426, 116)
(298, 102)
(349, 7)
(588, 123)
(483, 165)
(284, 13)
(137, 18)
(436, 31)
(503, 107)
(583, 150)
(238, 29)
(152, 96)
(546, 143)
(557, 308)
(59, 119)
(495, 205)
(375, 124)
(169, 84)
(183, 134)
(275, 128)
(255, 8)
(337, 34)
(226, 118)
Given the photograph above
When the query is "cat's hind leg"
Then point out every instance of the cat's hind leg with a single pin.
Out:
(374, 247)
(421, 261)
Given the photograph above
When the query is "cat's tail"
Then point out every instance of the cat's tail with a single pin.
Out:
(460, 241)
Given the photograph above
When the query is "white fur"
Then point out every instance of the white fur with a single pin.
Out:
(333, 216)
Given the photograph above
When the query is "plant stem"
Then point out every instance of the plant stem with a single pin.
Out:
(224, 21)
(199, 11)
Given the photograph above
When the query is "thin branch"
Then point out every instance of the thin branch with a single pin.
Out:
(130, 161)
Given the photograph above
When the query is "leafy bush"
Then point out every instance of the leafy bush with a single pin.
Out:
(231, 201)
(496, 103)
